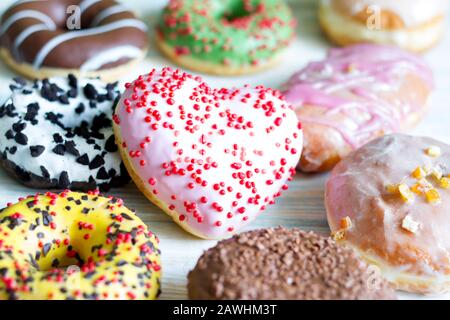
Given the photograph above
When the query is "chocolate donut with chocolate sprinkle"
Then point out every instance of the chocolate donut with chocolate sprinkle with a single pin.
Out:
(277, 263)
(57, 134)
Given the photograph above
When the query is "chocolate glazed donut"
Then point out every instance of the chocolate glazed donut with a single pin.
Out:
(36, 42)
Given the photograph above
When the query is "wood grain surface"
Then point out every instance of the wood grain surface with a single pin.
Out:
(302, 205)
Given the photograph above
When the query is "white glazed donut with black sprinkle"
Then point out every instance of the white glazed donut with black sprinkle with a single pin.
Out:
(57, 133)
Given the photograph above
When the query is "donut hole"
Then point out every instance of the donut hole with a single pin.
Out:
(239, 11)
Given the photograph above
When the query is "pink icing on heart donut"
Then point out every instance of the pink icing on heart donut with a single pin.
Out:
(357, 81)
(211, 158)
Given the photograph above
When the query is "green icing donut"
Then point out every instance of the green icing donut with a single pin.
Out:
(233, 33)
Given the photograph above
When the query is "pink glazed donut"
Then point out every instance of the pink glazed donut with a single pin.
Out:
(210, 158)
(390, 200)
(354, 95)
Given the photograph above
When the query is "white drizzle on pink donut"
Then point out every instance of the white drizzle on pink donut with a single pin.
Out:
(215, 157)
(352, 81)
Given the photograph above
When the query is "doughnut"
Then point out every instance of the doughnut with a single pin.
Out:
(390, 200)
(40, 39)
(76, 246)
(283, 264)
(415, 25)
(230, 37)
(58, 133)
(354, 95)
(212, 159)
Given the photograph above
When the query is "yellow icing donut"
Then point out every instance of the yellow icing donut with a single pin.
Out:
(76, 246)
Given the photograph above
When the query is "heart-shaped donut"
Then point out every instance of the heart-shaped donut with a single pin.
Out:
(210, 158)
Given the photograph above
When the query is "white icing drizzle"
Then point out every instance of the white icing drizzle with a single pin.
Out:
(26, 1)
(107, 13)
(26, 14)
(28, 32)
(53, 43)
(110, 56)
(86, 4)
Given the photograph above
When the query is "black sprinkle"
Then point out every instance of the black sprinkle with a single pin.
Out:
(110, 144)
(71, 148)
(36, 151)
(102, 174)
(126, 216)
(84, 159)
(45, 172)
(55, 263)
(80, 109)
(64, 180)
(92, 104)
(90, 92)
(97, 162)
(72, 93)
(22, 139)
(58, 138)
(9, 134)
(73, 82)
(48, 94)
(32, 111)
(59, 149)
(46, 248)
(64, 99)
(19, 126)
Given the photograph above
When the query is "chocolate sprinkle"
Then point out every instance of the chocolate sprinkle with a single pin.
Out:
(284, 264)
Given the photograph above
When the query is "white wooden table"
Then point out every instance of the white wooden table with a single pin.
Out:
(301, 206)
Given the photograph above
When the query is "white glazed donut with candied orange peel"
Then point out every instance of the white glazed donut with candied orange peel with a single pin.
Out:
(355, 95)
(415, 25)
(210, 158)
(390, 201)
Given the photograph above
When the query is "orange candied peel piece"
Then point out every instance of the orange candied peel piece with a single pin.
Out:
(433, 196)
(346, 223)
(392, 188)
(405, 192)
(445, 182)
(418, 173)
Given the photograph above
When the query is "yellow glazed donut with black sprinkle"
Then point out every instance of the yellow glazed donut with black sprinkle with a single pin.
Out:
(76, 246)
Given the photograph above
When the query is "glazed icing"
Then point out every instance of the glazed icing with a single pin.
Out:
(356, 83)
(357, 188)
(227, 32)
(213, 158)
(412, 12)
(35, 32)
